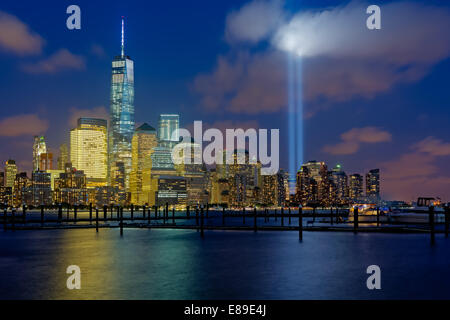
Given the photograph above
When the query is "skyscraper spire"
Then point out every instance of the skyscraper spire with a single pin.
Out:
(123, 40)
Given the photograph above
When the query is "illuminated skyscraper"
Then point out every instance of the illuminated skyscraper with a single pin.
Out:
(373, 184)
(41, 188)
(23, 191)
(355, 186)
(168, 130)
(46, 161)
(144, 140)
(340, 181)
(313, 183)
(88, 150)
(63, 156)
(306, 186)
(10, 173)
(121, 127)
(39, 147)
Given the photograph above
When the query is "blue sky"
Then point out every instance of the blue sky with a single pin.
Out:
(390, 108)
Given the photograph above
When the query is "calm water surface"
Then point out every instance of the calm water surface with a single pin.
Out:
(178, 264)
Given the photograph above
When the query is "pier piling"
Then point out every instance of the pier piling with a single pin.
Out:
(255, 227)
(90, 213)
(355, 220)
(201, 224)
(300, 223)
(75, 210)
(5, 216)
(13, 219)
(121, 221)
(282, 217)
(59, 213)
(149, 217)
(447, 220)
(196, 217)
(378, 216)
(166, 213)
(105, 212)
(96, 219)
(132, 212)
(432, 231)
(243, 215)
(289, 215)
(173, 214)
(223, 216)
(24, 213)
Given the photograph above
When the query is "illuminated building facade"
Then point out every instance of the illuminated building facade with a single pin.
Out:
(46, 161)
(23, 190)
(5, 195)
(355, 186)
(243, 178)
(168, 128)
(70, 187)
(195, 172)
(171, 190)
(339, 183)
(144, 140)
(39, 147)
(219, 189)
(10, 173)
(41, 188)
(88, 150)
(373, 184)
(273, 191)
(121, 127)
(63, 156)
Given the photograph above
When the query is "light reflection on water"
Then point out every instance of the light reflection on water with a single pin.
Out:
(178, 264)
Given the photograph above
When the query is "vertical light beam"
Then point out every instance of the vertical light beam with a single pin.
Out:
(299, 112)
(291, 121)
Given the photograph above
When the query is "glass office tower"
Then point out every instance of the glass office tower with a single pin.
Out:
(168, 124)
(121, 127)
(39, 147)
(88, 150)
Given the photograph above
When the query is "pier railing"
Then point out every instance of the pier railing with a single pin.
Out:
(205, 218)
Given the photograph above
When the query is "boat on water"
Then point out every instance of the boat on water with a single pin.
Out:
(419, 212)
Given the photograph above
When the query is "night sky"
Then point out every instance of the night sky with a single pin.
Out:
(372, 99)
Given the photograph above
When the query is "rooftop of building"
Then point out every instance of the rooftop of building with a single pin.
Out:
(145, 127)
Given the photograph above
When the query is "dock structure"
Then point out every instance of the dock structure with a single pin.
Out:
(208, 218)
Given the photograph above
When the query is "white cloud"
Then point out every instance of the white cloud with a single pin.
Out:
(255, 21)
(342, 59)
(352, 140)
(16, 36)
(61, 60)
(25, 124)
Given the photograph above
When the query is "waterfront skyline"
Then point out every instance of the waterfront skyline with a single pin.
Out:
(413, 162)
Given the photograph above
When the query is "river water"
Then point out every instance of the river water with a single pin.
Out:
(179, 264)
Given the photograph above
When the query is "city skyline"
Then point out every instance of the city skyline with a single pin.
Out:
(413, 162)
